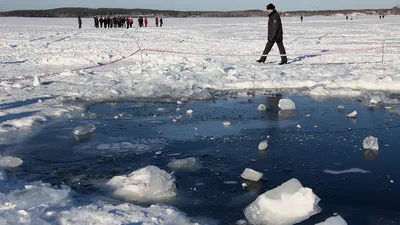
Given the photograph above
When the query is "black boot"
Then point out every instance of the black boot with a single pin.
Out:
(283, 63)
(262, 60)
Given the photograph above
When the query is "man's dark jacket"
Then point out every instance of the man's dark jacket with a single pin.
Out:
(275, 31)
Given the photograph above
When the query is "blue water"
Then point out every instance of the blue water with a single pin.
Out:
(55, 156)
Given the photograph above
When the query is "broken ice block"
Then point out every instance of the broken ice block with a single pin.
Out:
(263, 145)
(249, 174)
(335, 220)
(298, 126)
(227, 124)
(341, 108)
(376, 99)
(83, 130)
(10, 162)
(286, 104)
(144, 185)
(189, 112)
(352, 115)
(287, 204)
(184, 164)
(371, 143)
(262, 107)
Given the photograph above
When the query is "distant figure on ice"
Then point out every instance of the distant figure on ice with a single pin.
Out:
(347, 17)
(380, 17)
(80, 22)
(101, 21)
(351, 17)
(96, 22)
(145, 22)
(156, 21)
(130, 22)
(275, 34)
(161, 22)
(383, 16)
(140, 21)
(301, 18)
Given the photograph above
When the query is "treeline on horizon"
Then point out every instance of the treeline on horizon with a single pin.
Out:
(89, 12)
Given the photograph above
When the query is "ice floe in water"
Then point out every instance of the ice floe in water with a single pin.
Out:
(263, 145)
(10, 162)
(335, 220)
(286, 104)
(126, 214)
(352, 170)
(352, 114)
(262, 107)
(252, 175)
(287, 204)
(148, 184)
(371, 143)
(190, 164)
(84, 130)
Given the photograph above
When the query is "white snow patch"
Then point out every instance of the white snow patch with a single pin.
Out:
(252, 175)
(227, 124)
(287, 204)
(145, 185)
(37, 82)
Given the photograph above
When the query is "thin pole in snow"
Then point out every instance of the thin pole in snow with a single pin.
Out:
(383, 51)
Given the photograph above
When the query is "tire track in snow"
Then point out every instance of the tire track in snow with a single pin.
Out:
(61, 39)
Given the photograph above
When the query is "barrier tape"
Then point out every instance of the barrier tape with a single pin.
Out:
(346, 51)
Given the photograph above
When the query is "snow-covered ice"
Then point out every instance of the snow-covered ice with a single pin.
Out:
(184, 164)
(352, 170)
(287, 204)
(37, 82)
(334, 220)
(46, 45)
(286, 104)
(83, 130)
(371, 143)
(263, 145)
(252, 175)
(10, 162)
(149, 184)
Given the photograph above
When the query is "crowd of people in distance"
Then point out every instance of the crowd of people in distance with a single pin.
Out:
(123, 22)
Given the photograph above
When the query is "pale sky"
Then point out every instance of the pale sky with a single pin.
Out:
(282, 5)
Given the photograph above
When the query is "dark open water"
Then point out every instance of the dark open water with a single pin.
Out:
(54, 155)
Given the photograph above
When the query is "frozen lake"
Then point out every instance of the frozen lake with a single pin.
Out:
(51, 73)
(327, 141)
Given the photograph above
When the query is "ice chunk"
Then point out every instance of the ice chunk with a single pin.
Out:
(38, 194)
(177, 110)
(371, 143)
(287, 204)
(83, 130)
(376, 99)
(189, 112)
(161, 109)
(3, 178)
(263, 145)
(108, 214)
(227, 124)
(179, 102)
(262, 107)
(352, 114)
(36, 81)
(286, 104)
(252, 175)
(144, 185)
(335, 220)
(341, 108)
(10, 162)
(184, 164)
(298, 126)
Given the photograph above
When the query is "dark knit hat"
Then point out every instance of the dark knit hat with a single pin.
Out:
(271, 6)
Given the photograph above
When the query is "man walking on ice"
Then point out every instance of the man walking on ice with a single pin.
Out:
(275, 34)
